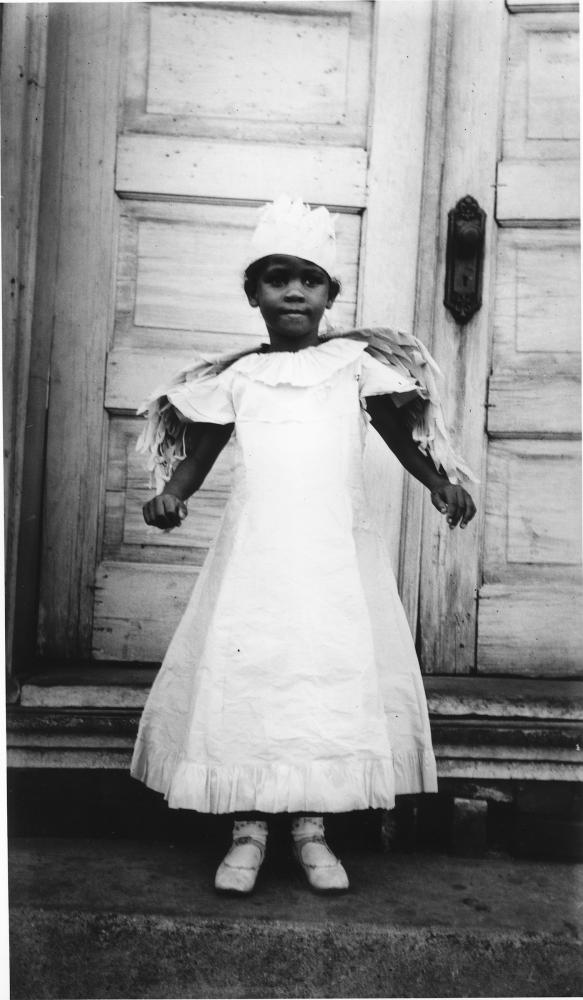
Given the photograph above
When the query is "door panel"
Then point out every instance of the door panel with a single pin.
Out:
(275, 72)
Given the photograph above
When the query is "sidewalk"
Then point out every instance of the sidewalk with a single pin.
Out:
(129, 919)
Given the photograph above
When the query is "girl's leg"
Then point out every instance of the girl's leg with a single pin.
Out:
(237, 872)
(322, 868)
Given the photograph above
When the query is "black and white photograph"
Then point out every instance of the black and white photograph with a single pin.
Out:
(291, 296)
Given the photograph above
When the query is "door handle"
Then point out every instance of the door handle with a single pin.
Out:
(466, 229)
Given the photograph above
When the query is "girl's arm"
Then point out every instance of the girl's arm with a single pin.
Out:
(203, 445)
(452, 500)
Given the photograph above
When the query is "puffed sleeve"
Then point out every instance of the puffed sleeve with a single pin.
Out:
(378, 379)
(201, 393)
(207, 400)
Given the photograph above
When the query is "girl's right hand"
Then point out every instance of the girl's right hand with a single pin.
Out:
(455, 502)
(165, 511)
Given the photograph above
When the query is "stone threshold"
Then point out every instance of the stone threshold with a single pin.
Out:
(484, 728)
(493, 697)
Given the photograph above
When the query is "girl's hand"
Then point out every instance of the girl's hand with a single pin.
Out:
(165, 511)
(455, 502)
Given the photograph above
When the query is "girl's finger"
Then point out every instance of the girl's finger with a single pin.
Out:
(456, 508)
(469, 511)
(438, 502)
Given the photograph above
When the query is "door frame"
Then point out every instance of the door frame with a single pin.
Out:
(72, 313)
(440, 571)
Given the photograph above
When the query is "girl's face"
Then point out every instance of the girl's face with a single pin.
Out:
(292, 295)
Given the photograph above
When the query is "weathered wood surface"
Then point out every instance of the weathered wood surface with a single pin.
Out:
(536, 404)
(23, 62)
(426, 301)
(475, 701)
(537, 314)
(78, 224)
(533, 510)
(530, 603)
(537, 194)
(137, 608)
(542, 6)
(390, 230)
(195, 168)
(531, 630)
(450, 561)
(281, 72)
(541, 113)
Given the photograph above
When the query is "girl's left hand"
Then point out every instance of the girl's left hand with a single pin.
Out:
(454, 501)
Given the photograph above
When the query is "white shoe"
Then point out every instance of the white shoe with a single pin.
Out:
(323, 870)
(238, 871)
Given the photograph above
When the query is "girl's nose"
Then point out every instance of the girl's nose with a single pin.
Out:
(294, 290)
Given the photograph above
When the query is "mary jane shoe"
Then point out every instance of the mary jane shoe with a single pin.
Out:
(324, 872)
(238, 871)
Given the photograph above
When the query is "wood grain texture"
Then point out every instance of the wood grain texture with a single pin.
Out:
(425, 301)
(450, 561)
(538, 309)
(304, 76)
(391, 223)
(531, 630)
(532, 508)
(536, 404)
(137, 609)
(190, 168)
(86, 43)
(530, 603)
(23, 64)
(539, 193)
(542, 6)
(541, 119)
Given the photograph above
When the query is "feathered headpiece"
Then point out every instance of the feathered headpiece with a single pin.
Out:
(290, 227)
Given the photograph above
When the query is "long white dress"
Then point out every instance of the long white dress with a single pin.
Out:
(292, 681)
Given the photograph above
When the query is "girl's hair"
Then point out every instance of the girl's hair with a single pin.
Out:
(253, 272)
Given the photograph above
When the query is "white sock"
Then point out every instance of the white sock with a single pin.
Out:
(307, 826)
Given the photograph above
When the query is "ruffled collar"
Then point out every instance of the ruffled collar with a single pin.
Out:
(310, 366)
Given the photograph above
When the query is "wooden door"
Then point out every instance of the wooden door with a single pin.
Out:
(505, 598)
(530, 608)
(221, 107)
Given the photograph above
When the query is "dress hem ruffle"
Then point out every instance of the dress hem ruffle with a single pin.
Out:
(325, 785)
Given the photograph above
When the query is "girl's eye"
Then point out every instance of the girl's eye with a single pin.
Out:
(275, 279)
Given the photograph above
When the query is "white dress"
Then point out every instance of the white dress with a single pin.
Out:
(292, 681)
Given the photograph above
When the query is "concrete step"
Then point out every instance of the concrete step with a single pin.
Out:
(139, 919)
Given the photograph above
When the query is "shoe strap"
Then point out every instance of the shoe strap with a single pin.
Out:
(300, 843)
(238, 841)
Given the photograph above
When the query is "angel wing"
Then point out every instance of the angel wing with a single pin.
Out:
(163, 438)
(424, 415)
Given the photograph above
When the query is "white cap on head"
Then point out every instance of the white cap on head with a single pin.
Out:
(290, 227)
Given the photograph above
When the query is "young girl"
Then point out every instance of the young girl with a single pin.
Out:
(292, 684)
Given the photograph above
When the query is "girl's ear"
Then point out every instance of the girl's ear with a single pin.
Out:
(333, 292)
(252, 301)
